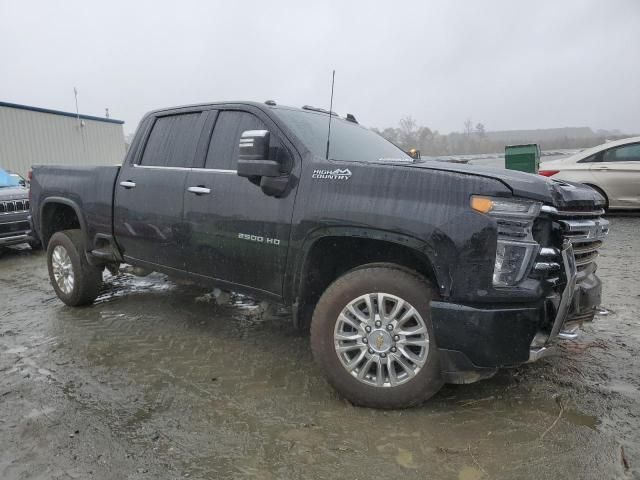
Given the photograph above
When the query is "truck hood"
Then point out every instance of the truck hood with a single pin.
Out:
(13, 193)
(536, 187)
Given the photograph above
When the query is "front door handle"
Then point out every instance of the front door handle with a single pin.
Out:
(128, 184)
(199, 190)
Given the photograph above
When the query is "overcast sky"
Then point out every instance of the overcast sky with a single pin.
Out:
(508, 64)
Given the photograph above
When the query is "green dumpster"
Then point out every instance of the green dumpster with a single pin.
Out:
(525, 158)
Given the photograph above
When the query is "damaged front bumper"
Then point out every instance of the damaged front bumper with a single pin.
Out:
(473, 342)
(579, 300)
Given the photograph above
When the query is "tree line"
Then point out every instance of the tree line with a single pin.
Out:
(475, 139)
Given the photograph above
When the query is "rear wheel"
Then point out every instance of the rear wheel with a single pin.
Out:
(75, 281)
(371, 334)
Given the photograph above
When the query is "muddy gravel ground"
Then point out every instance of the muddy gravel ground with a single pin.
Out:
(159, 380)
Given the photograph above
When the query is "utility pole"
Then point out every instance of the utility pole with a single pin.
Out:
(75, 93)
(80, 124)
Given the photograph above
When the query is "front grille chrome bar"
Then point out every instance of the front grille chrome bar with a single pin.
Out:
(586, 236)
(586, 259)
(571, 273)
(546, 266)
(14, 206)
(538, 351)
(586, 229)
(571, 213)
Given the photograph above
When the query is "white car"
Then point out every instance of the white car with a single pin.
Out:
(613, 169)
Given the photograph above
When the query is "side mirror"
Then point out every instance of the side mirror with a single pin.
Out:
(414, 153)
(253, 156)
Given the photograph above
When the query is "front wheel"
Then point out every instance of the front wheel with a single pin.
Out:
(75, 281)
(371, 335)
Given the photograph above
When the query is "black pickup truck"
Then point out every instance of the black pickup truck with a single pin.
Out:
(409, 273)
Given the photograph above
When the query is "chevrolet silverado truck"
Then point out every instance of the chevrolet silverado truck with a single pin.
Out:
(15, 226)
(409, 273)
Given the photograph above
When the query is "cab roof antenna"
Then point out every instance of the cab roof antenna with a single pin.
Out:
(333, 79)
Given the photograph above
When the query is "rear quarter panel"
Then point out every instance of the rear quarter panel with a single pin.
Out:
(89, 190)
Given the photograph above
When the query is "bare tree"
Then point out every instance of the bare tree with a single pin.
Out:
(408, 132)
(408, 124)
(468, 126)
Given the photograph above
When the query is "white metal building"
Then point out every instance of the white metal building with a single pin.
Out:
(34, 136)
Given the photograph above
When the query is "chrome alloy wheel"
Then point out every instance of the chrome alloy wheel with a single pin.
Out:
(62, 269)
(381, 339)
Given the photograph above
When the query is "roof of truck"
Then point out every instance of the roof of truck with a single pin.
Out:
(267, 104)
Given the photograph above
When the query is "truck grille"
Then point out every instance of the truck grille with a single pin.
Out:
(13, 228)
(585, 229)
(14, 206)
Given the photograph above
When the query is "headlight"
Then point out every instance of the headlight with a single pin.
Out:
(516, 248)
(506, 206)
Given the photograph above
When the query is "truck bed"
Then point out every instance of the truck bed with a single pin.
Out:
(88, 190)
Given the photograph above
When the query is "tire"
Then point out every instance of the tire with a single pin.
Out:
(66, 259)
(378, 386)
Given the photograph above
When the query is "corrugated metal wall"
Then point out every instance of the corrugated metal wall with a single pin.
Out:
(31, 138)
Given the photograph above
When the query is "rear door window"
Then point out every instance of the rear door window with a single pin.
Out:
(626, 153)
(596, 157)
(172, 142)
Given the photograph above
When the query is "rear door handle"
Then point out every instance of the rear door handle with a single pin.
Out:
(128, 184)
(199, 190)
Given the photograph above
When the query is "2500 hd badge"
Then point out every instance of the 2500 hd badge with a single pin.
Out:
(259, 239)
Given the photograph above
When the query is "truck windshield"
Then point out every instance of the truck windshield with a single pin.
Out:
(349, 141)
(7, 180)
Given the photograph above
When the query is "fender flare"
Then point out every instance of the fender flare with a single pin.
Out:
(65, 201)
(422, 247)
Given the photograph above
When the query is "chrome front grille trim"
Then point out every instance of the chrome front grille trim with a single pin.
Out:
(584, 229)
(586, 237)
(583, 260)
(546, 266)
(571, 274)
(582, 247)
(14, 206)
(571, 213)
